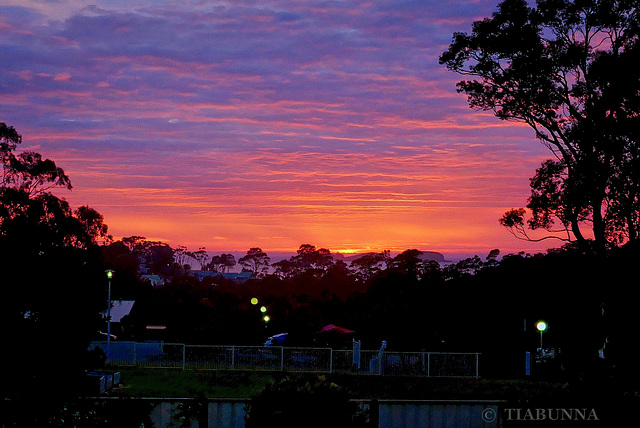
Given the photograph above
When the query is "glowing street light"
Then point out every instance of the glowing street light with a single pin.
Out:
(109, 273)
(266, 318)
(254, 301)
(263, 309)
(541, 326)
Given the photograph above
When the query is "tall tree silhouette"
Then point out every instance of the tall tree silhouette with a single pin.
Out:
(256, 261)
(53, 282)
(563, 68)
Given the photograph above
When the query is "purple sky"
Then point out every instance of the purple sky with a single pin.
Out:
(237, 124)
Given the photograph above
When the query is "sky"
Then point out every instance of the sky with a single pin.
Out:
(238, 124)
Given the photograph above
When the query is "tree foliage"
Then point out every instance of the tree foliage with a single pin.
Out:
(32, 218)
(564, 68)
(53, 287)
(255, 261)
(221, 263)
(369, 264)
(308, 259)
(27, 171)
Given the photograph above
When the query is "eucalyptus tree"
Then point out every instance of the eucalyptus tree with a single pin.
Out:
(565, 68)
(27, 171)
(255, 261)
(53, 285)
(222, 263)
(368, 265)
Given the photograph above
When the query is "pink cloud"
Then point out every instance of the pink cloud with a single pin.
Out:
(62, 77)
(300, 121)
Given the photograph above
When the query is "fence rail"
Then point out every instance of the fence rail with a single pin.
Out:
(327, 360)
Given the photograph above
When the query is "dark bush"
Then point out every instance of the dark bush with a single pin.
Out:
(313, 402)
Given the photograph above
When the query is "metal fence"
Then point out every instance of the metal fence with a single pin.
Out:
(327, 360)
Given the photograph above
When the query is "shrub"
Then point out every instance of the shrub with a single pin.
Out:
(308, 403)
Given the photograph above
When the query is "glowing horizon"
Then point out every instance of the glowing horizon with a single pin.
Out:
(272, 124)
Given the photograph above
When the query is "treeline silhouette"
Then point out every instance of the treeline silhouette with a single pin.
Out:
(475, 305)
(54, 257)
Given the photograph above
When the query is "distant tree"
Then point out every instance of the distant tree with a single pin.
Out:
(159, 258)
(284, 269)
(135, 243)
(118, 257)
(408, 261)
(93, 223)
(308, 258)
(340, 281)
(201, 257)
(228, 261)
(465, 267)
(492, 257)
(181, 255)
(564, 68)
(117, 254)
(473, 265)
(154, 257)
(222, 263)
(368, 265)
(256, 261)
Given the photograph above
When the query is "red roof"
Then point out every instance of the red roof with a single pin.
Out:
(335, 329)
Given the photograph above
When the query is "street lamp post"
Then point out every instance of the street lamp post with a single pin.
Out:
(541, 326)
(109, 273)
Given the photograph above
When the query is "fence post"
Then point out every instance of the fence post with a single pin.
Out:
(381, 357)
(233, 357)
(282, 358)
(331, 360)
(477, 365)
(184, 355)
(135, 354)
(428, 364)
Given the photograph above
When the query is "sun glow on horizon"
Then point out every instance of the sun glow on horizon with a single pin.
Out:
(188, 127)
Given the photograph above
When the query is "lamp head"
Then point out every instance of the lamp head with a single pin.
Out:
(541, 326)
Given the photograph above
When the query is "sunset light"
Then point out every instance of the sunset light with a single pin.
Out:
(319, 213)
(310, 126)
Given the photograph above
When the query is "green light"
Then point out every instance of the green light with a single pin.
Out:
(109, 274)
(266, 318)
(254, 301)
(541, 326)
(263, 309)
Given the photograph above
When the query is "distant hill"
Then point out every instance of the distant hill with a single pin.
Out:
(426, 255)
(432, 255)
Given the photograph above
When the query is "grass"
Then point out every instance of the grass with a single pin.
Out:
(175, 383)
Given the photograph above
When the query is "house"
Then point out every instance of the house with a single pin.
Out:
(119, 309)
(155, 280)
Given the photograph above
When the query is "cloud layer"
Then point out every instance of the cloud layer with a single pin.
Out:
(231, 124)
